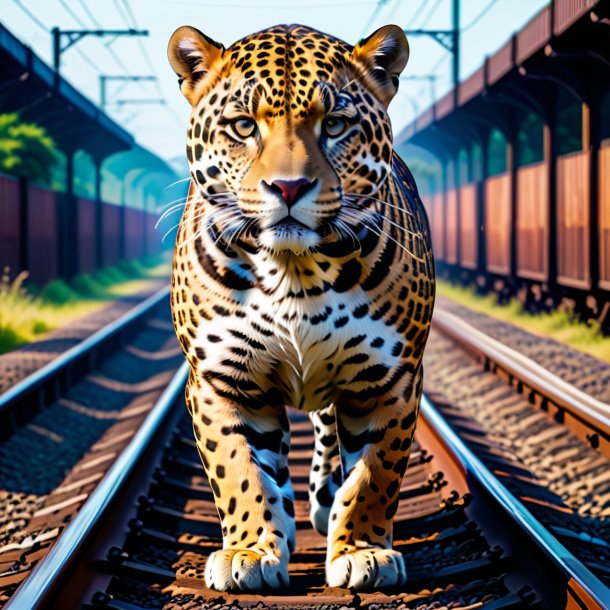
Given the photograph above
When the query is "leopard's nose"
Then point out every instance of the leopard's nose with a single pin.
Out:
(291, 190)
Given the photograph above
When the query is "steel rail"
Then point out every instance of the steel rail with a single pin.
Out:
(590, 412)
(40, 586)
(45, 381)
(582, 584)
(48, 577)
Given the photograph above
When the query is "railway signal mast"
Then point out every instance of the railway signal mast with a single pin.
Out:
(448, 39)
(122, 78)
(74, 36)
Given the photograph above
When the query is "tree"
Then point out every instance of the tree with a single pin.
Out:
(26, 149)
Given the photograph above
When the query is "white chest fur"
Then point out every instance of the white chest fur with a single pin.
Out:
(310, 348)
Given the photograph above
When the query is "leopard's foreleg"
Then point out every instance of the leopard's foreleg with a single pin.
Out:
(243, 452)
(325, 475)
(375, 452)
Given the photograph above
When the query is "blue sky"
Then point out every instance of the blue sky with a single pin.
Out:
(162, 128)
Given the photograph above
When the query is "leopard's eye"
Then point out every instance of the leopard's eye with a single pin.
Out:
(334, 127)
(244, 127)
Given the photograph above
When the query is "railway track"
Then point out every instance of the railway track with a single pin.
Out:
(141, 539)
(62, 428)
(479, 525)
(547, 440)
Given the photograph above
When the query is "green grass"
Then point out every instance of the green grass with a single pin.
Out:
(26, 316)
(560, 324)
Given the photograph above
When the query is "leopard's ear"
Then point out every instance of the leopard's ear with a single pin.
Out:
(191, 55)
(384, 54)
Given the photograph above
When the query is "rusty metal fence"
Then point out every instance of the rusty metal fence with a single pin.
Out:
(51, 235)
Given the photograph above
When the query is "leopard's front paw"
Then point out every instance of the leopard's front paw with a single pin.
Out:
(245, 570)
(366, 568)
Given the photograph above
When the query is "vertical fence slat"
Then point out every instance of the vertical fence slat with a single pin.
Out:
(42, 231)
(497, 229)
(532, 229)
(437, 222)
(9, 225)
(468, 226)
(604, 216)
(111, 215)
(573, 219)
(451, 251)
(86, 235)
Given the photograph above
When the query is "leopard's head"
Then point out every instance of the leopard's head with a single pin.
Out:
(287, 126)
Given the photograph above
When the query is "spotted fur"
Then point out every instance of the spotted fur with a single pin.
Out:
(321, 302)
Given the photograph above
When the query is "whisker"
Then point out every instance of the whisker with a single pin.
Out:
(382, 232)
(168, 213)
(400, 227)
(168, 232)
(219, 216)
(399, 208)
(169, 186)
(183, 199)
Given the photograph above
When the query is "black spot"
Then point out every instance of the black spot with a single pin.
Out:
(361, 311)
(354, 341)
(392, 488)
(342, 321)
(373, 373)
(348, 277)
(380, 531)
(211, 445)
(288, 506)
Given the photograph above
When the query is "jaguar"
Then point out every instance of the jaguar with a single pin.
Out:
(302, 278)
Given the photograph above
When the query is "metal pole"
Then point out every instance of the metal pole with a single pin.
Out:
(455, 17)
(103, 92)
(56, 48)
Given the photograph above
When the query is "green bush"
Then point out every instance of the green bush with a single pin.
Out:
(57, 292)
(132, 269)
(85, 285)
(9, 339)
(101, 277)
(40, 326)
(113, 275)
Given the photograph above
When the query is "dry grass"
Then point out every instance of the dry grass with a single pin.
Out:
(25, 317)
(559, 325)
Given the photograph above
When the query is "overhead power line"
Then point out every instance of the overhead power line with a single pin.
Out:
(380, 5)
(480, 16)
(130, 18)
(123, 79)
(449, 39)
(96, 23)
(31, 15)
(42, 26)
(431, 12)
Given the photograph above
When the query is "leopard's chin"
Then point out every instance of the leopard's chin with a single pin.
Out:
(289, 235)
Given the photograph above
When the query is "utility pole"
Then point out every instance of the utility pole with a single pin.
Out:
(455, 21)
(123, 78)
(74, 36)
(448, 39)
